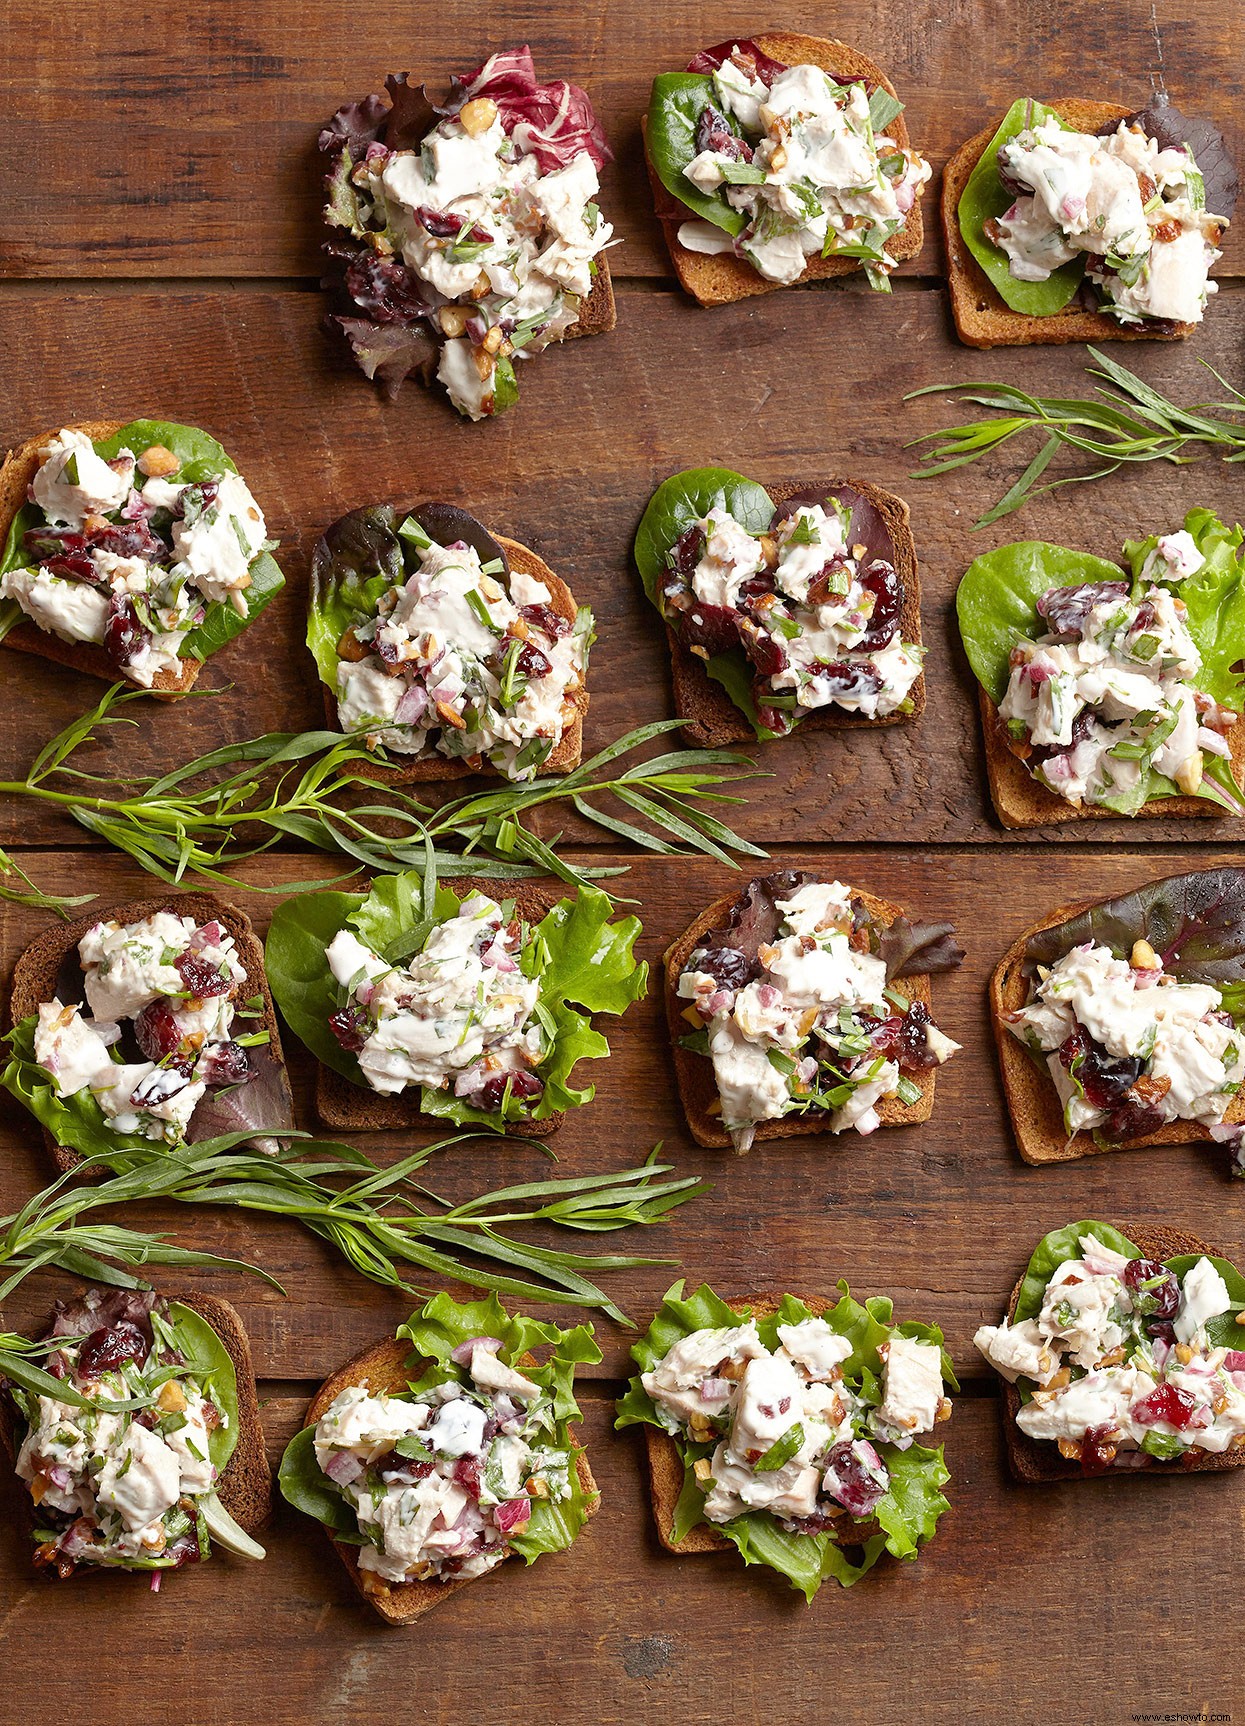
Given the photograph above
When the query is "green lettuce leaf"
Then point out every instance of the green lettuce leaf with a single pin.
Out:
(576, 951)
(674, 110)
(984, 199)
(304, 1485)
(211, 1363)
(76, 1121)
(1215, 600)
(201, 457)
(348, 577)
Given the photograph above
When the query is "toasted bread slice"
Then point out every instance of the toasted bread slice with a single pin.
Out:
(598, 314)
(712, 720)
(1032, 1100)
(383, 1368)
(36, 974)
(430, 764)
(1036, 1461)
(1019, 800)
(694, 1073)
(245, 1486)
(983, 319)
(341, 1103)
(665, 1465)
(16, 473)
(715, 281)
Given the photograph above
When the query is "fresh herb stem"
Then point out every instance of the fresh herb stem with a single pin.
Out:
(1132, 422)
(372, 1220)
(288, 785)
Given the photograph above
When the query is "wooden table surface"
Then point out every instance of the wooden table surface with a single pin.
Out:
(158, 255)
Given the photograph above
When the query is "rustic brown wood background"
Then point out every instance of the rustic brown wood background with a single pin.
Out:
(158, 254)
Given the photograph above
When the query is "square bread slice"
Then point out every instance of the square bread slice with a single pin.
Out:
(598, 313)
(712, 720)
(430, 764)
(665, 1465)
(1019, 800)
(383, 1367)
(716, 281)
(694, 1073)
(1037, 1462)
(36, 974)
(983, 319)
(341, 1103)
(245, 1487)
(18, 470)
(1032, 1100)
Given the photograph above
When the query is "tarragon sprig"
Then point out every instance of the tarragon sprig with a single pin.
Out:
(1127, 423)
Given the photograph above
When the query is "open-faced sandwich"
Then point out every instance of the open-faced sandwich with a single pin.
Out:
(459, 1002)
(134, 1430)
(1111, 691)
(781, 159)
(1123, 1022)
(151, 1025)
(465, 236)
(451, 651)
(130, 551)
(786, 1427)
(438, 1453)
(1121, 1352)
(786, 1016)
(1079, 221)
(784, 605)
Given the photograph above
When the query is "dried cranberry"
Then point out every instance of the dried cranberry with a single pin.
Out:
(444, 226)
(531, 662)
(203, 979)
(762, 650)
(128, 539)
(546, 619)
(105, 1350)
(352, 1028)
(124, 636)
(183, 1550)
(713, 627)
(160, 1038)
(713, 133)
(884, 1034)
(1166, 1402)
(45, 542)
(203, 494)
(1066, 608)
(1097, 1453)
(883, 583)
(912, 1044)
(1106, 1079)
(73, 568)
(467, 1474)
(1162, 1299)
(729, 968)
(522, 1086)
(686, 552)
(226, 1064)
(386, 648)
(757, 586)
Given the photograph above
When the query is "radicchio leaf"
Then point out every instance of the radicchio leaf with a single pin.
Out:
(552, 122)
(709, 59)
(908, 948)
(1172, 130)
(1194, 922)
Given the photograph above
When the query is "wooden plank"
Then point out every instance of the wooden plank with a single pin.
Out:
(193, 153)
(617, 1629)
(314, 439)
(940, 1216)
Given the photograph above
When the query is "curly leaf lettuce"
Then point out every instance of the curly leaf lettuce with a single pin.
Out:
(77, 1122)
(1214, 597)
(909, 1511)
(582, 960)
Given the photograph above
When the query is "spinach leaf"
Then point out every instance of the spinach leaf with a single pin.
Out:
(304, 1484)
(298, 973)
(686, 498)
(201, 457)
(1194, 922)
(1215, 599)
(985, 198)
(210, 1362)
(674, 110)
(996, 601)
(1056, 1249)
(1223, 1331)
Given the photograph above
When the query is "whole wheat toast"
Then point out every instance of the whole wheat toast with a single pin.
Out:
(597, 313)
(383, 1367)
(712, 720)
(1019, 800)
(341, 1103)
(245, 1485)
(430, 764)
(717, 280)
(1036, 1461)
(694, 1073)
(17, 471)
(36, 972)
(1032, 1100)
(983, 319)
(666, 1472)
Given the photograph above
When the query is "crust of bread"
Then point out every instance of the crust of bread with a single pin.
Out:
(430, 764)
(340, 1103)
(245, 1487)
(983, 319)
(1036, 1462)
(383, 1368)
(16, 472)
(1019, 800)
(716, 281)
(665, 1466)
(694, 1074)
(35, 974)
(711, 719)
(1032, 1100)
(598, 313)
